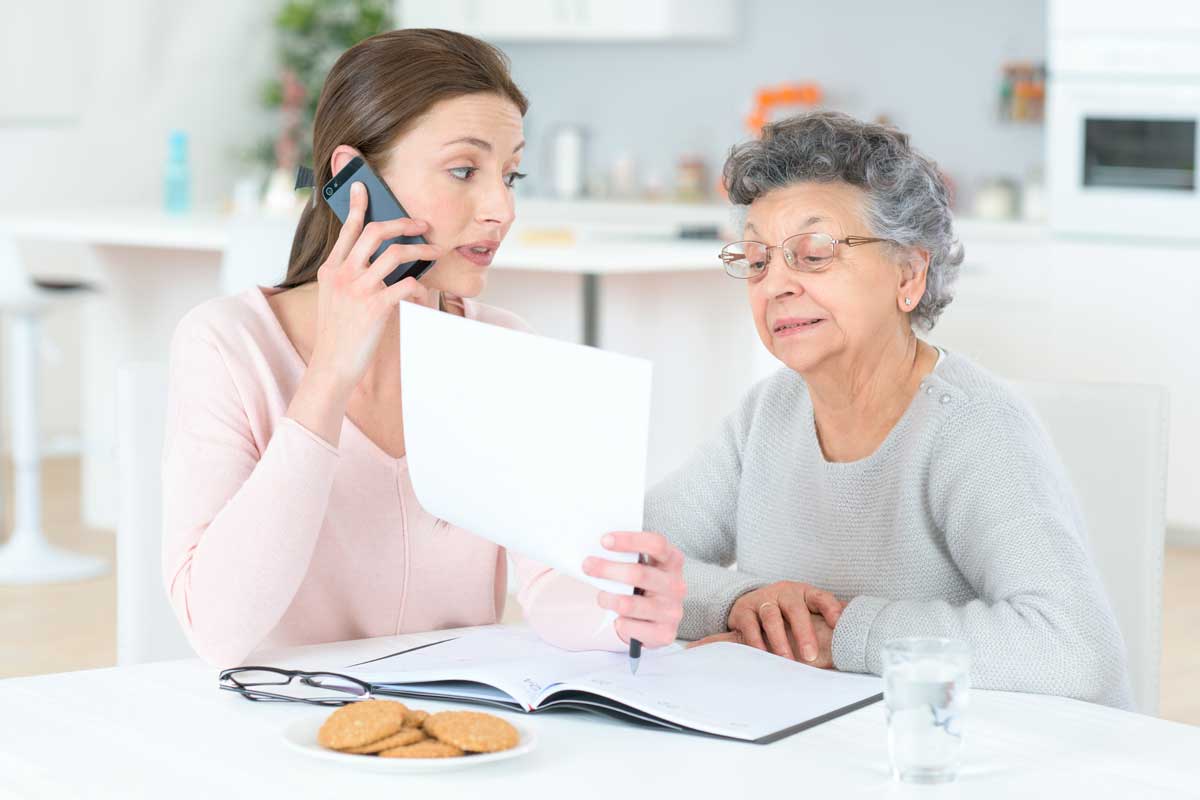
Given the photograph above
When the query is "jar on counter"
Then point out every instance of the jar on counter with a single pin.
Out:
(691, 179)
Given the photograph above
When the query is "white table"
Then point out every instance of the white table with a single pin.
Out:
(165, 730)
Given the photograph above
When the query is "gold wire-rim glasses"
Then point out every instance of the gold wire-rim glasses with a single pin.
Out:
(735, 252)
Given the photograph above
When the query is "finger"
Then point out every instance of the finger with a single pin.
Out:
(825, 604)
(393, 257)
(728, 636)
(650, 579)
(643, 607)
(376, 233)
(408, 289)
(800, 622)
(650, 634)
(771, 619)
(352, 227)
(654, 545)
(747, 625)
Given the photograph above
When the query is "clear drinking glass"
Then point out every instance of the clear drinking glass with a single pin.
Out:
(926, 686)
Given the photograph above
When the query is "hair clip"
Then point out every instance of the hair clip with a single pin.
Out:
(304, 177)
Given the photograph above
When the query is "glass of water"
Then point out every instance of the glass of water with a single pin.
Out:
(926, 684)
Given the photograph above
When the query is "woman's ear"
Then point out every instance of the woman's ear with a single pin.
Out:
(913, 271)
(343, 154)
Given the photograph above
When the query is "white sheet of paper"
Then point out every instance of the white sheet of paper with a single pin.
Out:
(535, 444)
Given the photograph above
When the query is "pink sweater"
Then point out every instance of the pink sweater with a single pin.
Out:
(273, 537)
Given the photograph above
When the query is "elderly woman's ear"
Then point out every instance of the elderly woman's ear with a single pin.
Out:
(914, 268)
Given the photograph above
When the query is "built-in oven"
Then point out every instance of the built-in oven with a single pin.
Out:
(1154, 153)
(1123, 132)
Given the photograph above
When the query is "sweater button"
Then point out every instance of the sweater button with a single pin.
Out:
(928, 390)
(945, 399)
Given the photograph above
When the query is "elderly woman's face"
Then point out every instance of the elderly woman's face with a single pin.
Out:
(806, 318)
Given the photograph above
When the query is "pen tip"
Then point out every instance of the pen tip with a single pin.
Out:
(633, 665)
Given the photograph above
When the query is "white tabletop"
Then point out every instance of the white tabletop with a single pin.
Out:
(165, 730)
(208, 231)
(608, 242)
(121, 226)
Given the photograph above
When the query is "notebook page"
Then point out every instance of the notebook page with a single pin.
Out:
(514, 660)
(728, 690)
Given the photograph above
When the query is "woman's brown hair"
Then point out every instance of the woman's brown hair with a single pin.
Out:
(374, 93)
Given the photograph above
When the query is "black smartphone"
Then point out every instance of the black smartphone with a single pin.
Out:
(382, 206)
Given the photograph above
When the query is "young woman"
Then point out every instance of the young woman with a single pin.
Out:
(289, 516)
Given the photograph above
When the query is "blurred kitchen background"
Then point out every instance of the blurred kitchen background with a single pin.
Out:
(151, 146)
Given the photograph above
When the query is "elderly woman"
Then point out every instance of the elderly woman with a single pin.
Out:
(878, 487)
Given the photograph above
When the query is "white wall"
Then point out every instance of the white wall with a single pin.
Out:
(932, 66)
(142, 68)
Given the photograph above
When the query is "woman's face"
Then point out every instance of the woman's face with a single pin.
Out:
(455, 169)
(807, 319)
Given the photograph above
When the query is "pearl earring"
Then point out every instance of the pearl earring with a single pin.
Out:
(907, 301)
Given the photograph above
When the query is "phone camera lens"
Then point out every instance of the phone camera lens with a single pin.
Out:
(329, 191)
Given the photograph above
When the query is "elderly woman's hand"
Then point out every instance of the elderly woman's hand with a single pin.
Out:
(788, 619)
(821, 630)
(653, 617)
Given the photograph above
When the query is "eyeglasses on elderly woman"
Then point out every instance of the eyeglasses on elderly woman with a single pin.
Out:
(803, 252)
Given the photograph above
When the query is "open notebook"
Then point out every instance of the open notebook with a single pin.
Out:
(719, 689)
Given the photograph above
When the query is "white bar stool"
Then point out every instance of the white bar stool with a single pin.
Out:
(27, 557)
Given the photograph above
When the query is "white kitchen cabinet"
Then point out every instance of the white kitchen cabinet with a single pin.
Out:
(575, 20)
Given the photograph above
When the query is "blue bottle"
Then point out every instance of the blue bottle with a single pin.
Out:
(177, 195)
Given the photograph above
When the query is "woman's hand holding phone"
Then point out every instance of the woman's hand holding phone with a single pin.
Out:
(353, 305)
(353, 301)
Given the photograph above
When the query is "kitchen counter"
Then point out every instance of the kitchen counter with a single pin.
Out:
(607, 237)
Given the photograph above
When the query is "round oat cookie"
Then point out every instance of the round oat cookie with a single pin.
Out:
(472, 731)
(361, 723)
(405, 736)
(430, 748)
(415, 718)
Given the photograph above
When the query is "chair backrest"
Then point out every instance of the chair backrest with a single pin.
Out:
(257, 251)
(1112, 439)
(146, 626)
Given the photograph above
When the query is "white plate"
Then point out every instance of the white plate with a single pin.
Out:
(301, 735)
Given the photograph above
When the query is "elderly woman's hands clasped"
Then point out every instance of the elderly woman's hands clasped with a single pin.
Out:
(789, 619)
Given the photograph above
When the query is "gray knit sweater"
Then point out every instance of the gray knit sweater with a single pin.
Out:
(962, 524)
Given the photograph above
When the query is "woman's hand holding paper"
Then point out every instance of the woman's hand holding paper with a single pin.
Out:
(653, 617)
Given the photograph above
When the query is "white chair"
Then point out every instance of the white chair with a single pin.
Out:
(147, 630)
(257, 251)
(1112, 439)
(146, 626)
(27, 557)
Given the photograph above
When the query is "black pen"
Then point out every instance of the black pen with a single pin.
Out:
(635, 647)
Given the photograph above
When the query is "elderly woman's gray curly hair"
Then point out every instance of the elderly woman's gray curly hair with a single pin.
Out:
(906, 198)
